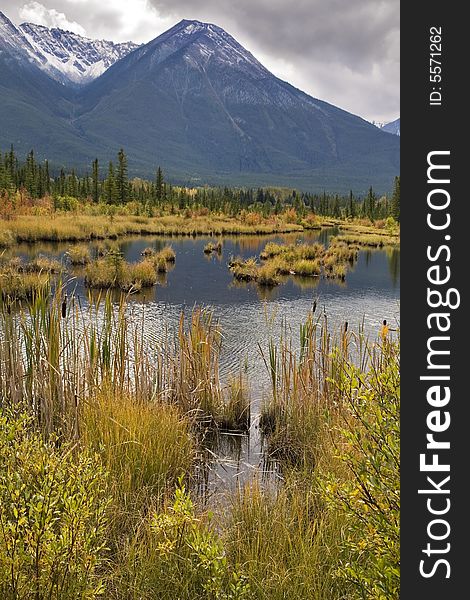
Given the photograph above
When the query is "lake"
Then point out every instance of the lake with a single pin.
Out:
(250, 315)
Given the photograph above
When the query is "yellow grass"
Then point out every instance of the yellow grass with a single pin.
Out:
(105, 273)
(79, 227)
(144, 445)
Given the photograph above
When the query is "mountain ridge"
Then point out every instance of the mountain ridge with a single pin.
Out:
(198, 103)
(76, 58)
(67, 57)
(393, 127)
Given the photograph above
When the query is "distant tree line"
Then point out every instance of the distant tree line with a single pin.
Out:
(110, 184)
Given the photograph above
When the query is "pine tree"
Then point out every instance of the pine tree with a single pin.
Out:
(40, 187)
(95, 181)
(30, 175)
(396, 200)
(336, 209)
(370, 204)
(72, 185)
(47, 177)
(110, 185)
(12, 165)
(62, 183)
(352, 208)
(159, 183)
(122, 183)
(6, 181)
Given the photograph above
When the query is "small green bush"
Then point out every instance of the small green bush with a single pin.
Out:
(179, 556)
(66, 203)
(369, 498)
(53, 505)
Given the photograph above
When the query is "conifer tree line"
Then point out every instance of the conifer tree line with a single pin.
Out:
(110, 184)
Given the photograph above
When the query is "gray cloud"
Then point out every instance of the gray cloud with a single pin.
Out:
(343, 51)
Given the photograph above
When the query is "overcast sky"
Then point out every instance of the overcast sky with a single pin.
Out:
(342, 51)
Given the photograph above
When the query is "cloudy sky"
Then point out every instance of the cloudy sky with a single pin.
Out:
(343, 51)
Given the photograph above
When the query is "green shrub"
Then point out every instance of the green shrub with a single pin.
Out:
(66, 203)
(178, 556)
(53, 505)
(369, 498)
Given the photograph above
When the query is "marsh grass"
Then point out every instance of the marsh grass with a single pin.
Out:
(163, 259)
(41, 264)
(195, 376)
(113, 271)
(307, 268)
(168, 254)
(243, 270)
(331, 531)
(79, 255)
(286, 542)
(265, 275)
(144, 446)
(371, 240)
(301, 393)
(298, 260)
(15, 286)
(177, 553)
(292, 252)
(88, 375)
(213, 247)
(80, 227)
(56, 355)
(7, 238)
(236, 411)
(21, 280)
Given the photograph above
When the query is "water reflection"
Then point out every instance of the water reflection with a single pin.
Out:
(393, 256)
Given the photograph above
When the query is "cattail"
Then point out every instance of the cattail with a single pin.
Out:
(345, 326)
(64, 307)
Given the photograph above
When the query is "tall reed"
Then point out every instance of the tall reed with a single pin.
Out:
(56, 354)
(301, 395)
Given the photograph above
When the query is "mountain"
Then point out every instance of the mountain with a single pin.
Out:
(33, 107)
(392, 127)
(36, 111)
(196, 102)
(69, 57)
(213, 112)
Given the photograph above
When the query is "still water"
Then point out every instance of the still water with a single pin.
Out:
(249, 315)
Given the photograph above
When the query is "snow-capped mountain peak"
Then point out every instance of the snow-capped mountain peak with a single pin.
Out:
(201, 43)
(11, 39)
(69, 57)
(393, 127)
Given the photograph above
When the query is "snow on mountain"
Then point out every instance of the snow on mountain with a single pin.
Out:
(65, 56)
(393, 127)
(204, 48)
(11, 39)
(192, 99)
(201, 43)
(70, 57)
